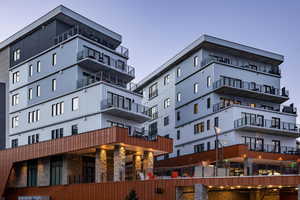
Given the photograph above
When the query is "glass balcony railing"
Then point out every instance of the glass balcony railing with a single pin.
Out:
(274, 70)
(222, 105)
(268, 124)
(250, 86)
(129, 106)
(270, 148)
(106, 60)
(76, 30)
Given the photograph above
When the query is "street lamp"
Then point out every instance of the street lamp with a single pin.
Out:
(217, 133)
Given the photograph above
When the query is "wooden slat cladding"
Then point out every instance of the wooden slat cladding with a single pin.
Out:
(234, 151)
(145, 189)
(75, 143)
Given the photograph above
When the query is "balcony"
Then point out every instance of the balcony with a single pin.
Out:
(96, 61)
(236, 87)
(273, 71)
(284, 110)
(267, 126)
(76, 30)
(270, 148)
(131, 111)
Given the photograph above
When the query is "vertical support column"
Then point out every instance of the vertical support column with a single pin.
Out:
(248, 167)
(101, 166)
(119, 163)
(148, 162)
(298, 192)
(201, 192)
(137, 166)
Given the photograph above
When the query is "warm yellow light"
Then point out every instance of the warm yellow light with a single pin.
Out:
(249, 187)
(238, 186)
(221, 187)
(269, 186)
(279, 186)
(210, 186)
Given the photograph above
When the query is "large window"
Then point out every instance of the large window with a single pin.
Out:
(38, 90)
(56, 165)
(58, 109)
(216, 120)
(75, 103)
(208, 103)
(57, 133)
(32, 173)
(153, 129)
(17, 54)
(153, 91)
(16, 77)
(14, 143)
(15, 99)
(30, 93)
(199, 148)
(154, 112)
(118, 101)
(166, 120)
(33, 138)
(199, 128)
(30, 70)
(195, 88)
(74, 129)
(196, 108)
(167, 103)
(178, 115)
(53, 85)
(34, 116)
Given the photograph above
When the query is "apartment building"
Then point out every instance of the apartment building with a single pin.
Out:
(68, 75)
(218, 83)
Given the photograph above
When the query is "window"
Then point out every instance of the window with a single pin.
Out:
(56, 165)
(178, 135)
(216, 121)
(15, 100)
(195, 88)
(32, 173)
(17, 54)
(178, 97)
(199, 148)
(75, 103)
(167, 79)
(196, 108)
(208, 81)
(74, 130)
(38, 90)
(208, 125)
(30, 93)
(208, 103)
(178, 115)
(196, 61)
(153, 91)
(57, 133)
(154, 112)
(276, 146)
(166, 120)
(199, 128)
(15, 121)
(34, 116)
(167, 103)
(58, 108)
(38, 66)
(153, 129)
(16, 77)
(53, 84)
(54, 59)
(178, 72)
(178, 152)
(14, 143)
(275, 122)
(32, 139)
(208, 146)
(30, 70)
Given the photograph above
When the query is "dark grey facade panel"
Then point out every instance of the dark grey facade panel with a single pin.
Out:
(38, 41)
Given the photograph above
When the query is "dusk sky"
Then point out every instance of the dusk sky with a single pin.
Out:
(154, 31)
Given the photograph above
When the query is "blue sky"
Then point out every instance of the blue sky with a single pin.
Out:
(155, 30)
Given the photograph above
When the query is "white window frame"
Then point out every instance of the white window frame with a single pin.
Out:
(38, 90)
(15, 121)
(196, 61)
(167, 79)
(54, 59)
(208, 82)
(17, 54)
(178, 97)
(30, 70)
(167, 103)
(30, 95)
(196, 87)
(15, 99)
(16, 77)
(38, 66)
(53, 85)
(178, 72)
(75, 103)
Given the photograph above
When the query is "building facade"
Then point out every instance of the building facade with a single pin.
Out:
(217, 83)
(69, 75)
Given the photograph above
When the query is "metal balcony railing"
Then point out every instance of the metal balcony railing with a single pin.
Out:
(270, 148)
(250, 86)
(266, 123)
(77, 30)
(223, 105)
(274, 70)
(108, 61)
(141, 132)
(131, 106)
